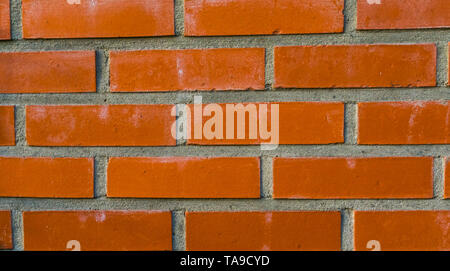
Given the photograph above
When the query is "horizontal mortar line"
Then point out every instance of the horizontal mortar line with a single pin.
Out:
(293, 95)
(399, 34)
(225, 42)
(25, 204)
(333, 150)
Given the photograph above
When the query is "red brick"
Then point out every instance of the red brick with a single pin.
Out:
(403, 230)
(96, 18)
(353, 178)
(47, 177)
(246, 17)
(245, 231)
(184, 177)
(205, 69)
(7, 129)
(447, 178)
(419, 122)
(100, 125)
(401, 14)
(355, 66)
(47, 72)
(98, 230)
(5, 24)
(5, 230)
(299, 123)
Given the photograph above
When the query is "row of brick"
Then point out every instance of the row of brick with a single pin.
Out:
(383, 123)
(152, 230)
(334, 66)
(223, 177)
(136, 18)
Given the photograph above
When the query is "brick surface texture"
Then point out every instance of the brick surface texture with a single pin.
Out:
(292, 125)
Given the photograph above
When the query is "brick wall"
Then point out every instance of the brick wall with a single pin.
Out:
(88, 159)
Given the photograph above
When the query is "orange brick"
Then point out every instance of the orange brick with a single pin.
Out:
(447, 178)
(47, 177)
(5, 24)
(206, 69)
(5, 230)
(96, 18)
(98, 230)
(403, 230)
(404, 122)
(100, 125)
(256, 231)
(249, 17)
(47, 72)
(184, 177)
(7, 129)
(353, 178)
(299, 123)
(400, 14)
(355, 66)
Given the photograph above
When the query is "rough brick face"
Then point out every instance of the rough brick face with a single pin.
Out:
(244, 125)
(166, 70)
(403, 230)
(401, 14)
(98, 230)
(47, 72)
(47, 177)
(7, 129)
(299, 123)
(5, 32)
(184, 177)
(5, 230)
(418, 122)
(355, 66)
(347, 178)
(96, 18)
(244, 231)
(249, 17)
(100, 125)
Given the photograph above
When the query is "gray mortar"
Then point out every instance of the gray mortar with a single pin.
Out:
(351, 97)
